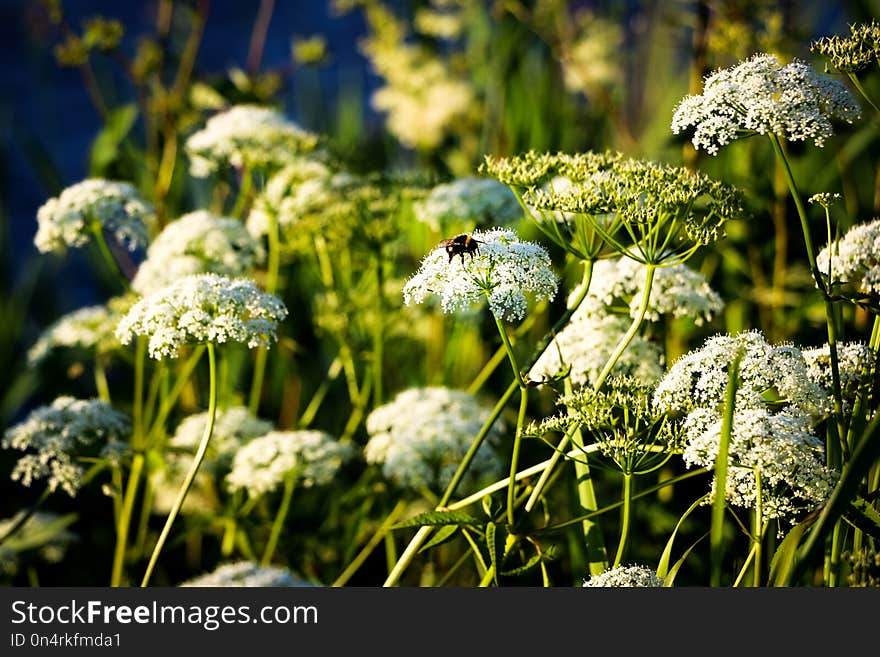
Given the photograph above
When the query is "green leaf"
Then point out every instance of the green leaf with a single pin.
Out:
(493, 552)
(663, 566)
(105, 147)
(27, 539)
(441, 536)
(526, 567)
(864, 517)
(784, 557)
(436, 518)
(670, 578)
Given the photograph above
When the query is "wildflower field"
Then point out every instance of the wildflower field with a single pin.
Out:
(555, 294)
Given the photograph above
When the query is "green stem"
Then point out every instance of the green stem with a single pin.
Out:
(625, 518)
(719, 503)
(314, 404)
(378, 337)
(858, 85)
(278, 524)
(170, 399)
(18, 524)
(631, 332)
(108, 256)
(194, 468)
(273, 267)
(243, 192)
(101, 381)
(758, 529)
(833, 563)
(488, 577)
(358, 561)
(137, 465)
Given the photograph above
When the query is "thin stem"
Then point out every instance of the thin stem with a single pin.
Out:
(278, 524)
(633, 329)
(18, 524)
(194, 468)
(273, 266)
(244, 191)
(122, 528)
(625, 518)
(758, 530)
(103, 247)
(170, 399)
(378, 337)
(858, 85)
(101, 381)
(314, 404)
(542, 480)
(514, 458)
(359, 560)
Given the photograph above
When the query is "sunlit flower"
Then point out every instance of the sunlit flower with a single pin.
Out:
(586, 343)
(247, 574)
(92, 327)
(262, 465)
(468, 201)
(503, 270)
(763, 96)
(780, 446)
(676, 291)
(203, 308)
(246, 135)
(73, 218)
(772, 377)
(58, 435)
(198, 243)
(626, 576)
(855, 258)
(855, 363)
(420, 437)
(856, 52)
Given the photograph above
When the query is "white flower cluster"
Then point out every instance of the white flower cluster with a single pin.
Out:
(420, 437)
(586, 343)
(92, 327)
(198, 243)
(635, 576)
(780, 446)
(282, 196)
(71, 219)
(44, 533)
(247, 574)
(855, 258)
(233, 427)
(246, 135)
(676, 290)
(771, 376)
(855, 364)
(468, 200)
(504, 270)
(203, 308)
(776, 405)
(59, 434)
(263, 464)
(763, 96)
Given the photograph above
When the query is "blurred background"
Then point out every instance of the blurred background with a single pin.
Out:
(103, 88)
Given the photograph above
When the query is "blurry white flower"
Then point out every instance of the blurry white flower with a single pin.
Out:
(247, 574)
(676, 290)
(198, 243)
(855, 258)
(468, 200)
(626, 576)
(92, 327)
(780, 446)
(61, 433)
(420, 437)
(586, 343)
(72, 219)
(504, 270)
(44, 533)
(233, 427)
(593, 60)
(246, 135)
(262, 465)
(772, 377)
(203, 308)
(762, 96)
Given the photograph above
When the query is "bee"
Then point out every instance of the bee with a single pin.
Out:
(461, 244)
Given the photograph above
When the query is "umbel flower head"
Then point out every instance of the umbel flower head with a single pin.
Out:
(73, 218)
(468, 201)
(586, 343)
(856, 52)
(504, 270)
(420, 437)
(59, 434)
(636, 576)
(854, 260)
(773, 377)
(92, 328)
(763, 96)
(780, 446)
(676, 291)
(198, 243)
(856, 364)
(263, 464)
(246, 135)
(247, 574)
(203, 308)
(591, 202)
